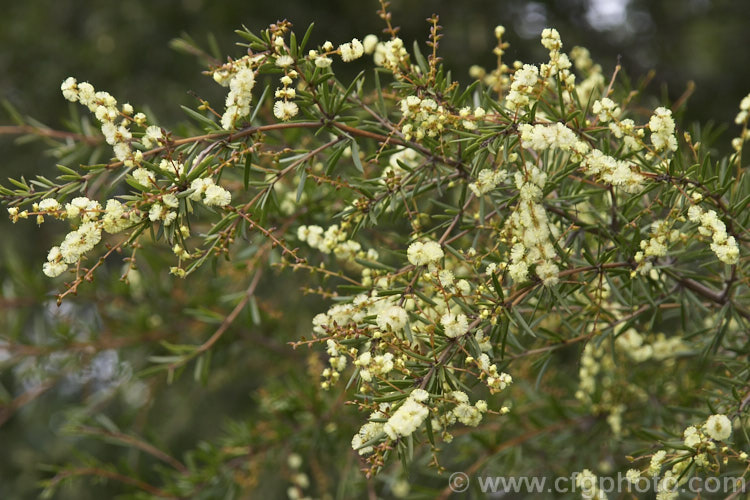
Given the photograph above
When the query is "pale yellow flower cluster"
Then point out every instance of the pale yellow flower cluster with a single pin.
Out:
(112, 219)
(104, 107)
(530, 228)
(723, 245)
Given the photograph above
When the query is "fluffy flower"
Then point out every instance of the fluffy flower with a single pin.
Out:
(238, 99)
(718, 427)
(323, 61)
(284, 61)
(420, 253)
(351, 51)
(49, 204)
(540, 137)
(612, 171)
(285, 110)
(369, 43)
(70, 89)
(662, 127)
(606, 109)
(522, 86)
(54, 266)
(369, 431)
(143, 177)
(153, 135)
(393, 319)
(80, 241)
(407, 419)
(83, 207)
(551, 39)
(454, 324)
(114, 219)
(487, 180)
(217, 196)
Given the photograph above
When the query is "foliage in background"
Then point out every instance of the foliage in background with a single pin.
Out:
(454, 187)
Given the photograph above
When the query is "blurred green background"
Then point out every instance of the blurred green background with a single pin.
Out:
(124, 48)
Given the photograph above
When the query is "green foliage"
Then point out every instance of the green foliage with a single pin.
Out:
(506, 277)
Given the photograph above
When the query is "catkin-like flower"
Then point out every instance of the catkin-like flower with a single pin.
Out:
(606, 109)
(212, 195)
(323, 61)
(80, 241)
(217, 196)
(487, 180)
(662, 127)
(152, 136)
(54, 266)
(284, 61)
(723, 245)
(718, 427)
(391, 55)
(619, 173)
(369, 431)
(49, 204)
(454, 325)
(285, 110)
(554, 136)
(369, 43)
(115, 219)
(351, 51)
(392, 319)
(522, 86)
(420, 254)
(407, 419)
(239, 97)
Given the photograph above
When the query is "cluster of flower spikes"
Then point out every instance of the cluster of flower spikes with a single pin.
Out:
(88, 216)
(530, 232)
(284, 108)
(487, 180)
(104, 107)
(557, 136)
(522, 87)
(392, 55)
(345, 319)
(662, 129)
(240, 94)
(384, 321)
(114, 218)
(527, 77)
(424, 117)
(239, 75)
(704, 446)
(497, 79)
(411, 414)
(625, 130)
(723, 245)
(662, 234)
(334, 240)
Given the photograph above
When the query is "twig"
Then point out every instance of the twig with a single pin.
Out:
(97, 471)
(137, 443)
(47, 132)
(224, 325)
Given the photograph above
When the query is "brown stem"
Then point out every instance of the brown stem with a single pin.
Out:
(7, 411)
(136, 443)
(224, 325)
(47, 132)
(97, 471)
